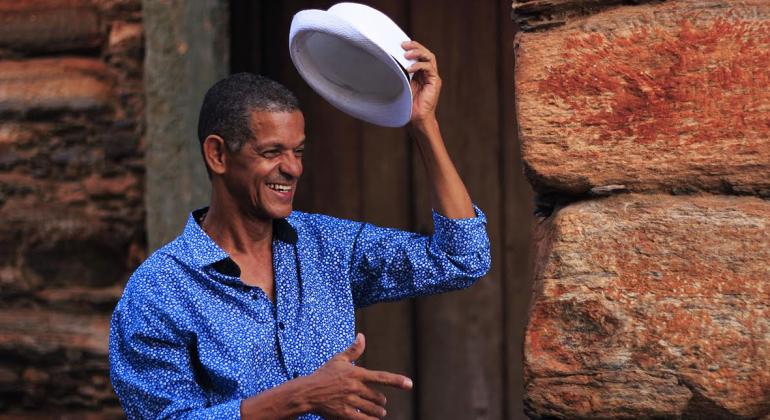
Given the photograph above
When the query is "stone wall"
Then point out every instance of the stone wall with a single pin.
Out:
(71, 184)
(645, 130)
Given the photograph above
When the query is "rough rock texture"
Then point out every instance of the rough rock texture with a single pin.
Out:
(49, 26)
(652, 306)
(538, 15)
(71, 188)
(54, 84)
(666, 97)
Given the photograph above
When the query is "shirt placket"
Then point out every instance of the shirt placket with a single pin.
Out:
(286, 307)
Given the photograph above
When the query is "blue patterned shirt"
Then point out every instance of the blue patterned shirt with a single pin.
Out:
(188, 339)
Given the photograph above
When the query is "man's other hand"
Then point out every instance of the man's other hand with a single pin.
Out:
(426, 83)
(338, 389)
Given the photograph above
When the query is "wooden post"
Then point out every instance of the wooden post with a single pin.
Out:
(187, 51)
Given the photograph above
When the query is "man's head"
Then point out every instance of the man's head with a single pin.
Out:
(252, 138)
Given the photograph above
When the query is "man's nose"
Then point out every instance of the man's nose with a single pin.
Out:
(291, 165)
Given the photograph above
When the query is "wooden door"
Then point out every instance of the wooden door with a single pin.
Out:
(462, 349)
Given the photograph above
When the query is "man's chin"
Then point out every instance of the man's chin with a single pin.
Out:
(280, 213)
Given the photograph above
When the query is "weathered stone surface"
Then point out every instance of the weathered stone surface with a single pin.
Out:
(125, 36)
(42, 332)
(538, 15)
(54, 358)
(659, 97)
(54, 84)
(52, 247)
(49, 26)
(651, 306)
(71, 198)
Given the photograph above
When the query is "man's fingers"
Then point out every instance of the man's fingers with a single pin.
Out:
(416, 51)
(420, 65)
(387, 378)
(352, 414)
(356, 349)
(420, 55)
(410, 45)
(373, 395)
(429, 68)
(367, 407)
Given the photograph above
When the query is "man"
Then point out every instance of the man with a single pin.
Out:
(250, 311)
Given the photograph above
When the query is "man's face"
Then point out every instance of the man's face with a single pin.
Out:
(262, 176)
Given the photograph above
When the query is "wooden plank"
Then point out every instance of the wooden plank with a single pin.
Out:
(459, 334)
(246, 35)
(186, 54)
(385, 193)
(331, 180)
(516, 229)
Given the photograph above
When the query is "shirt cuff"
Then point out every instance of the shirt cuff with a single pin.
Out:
(460, 236)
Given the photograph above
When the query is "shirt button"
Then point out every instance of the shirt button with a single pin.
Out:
(255, 296)
(281, 326)
(296, 374)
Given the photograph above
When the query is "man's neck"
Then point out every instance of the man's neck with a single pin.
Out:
(236, 232)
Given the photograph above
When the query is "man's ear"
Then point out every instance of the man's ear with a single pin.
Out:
(214, 151)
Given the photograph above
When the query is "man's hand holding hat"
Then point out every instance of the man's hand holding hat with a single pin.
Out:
(425, 83)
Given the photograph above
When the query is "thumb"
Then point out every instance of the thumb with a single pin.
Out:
(356, 349)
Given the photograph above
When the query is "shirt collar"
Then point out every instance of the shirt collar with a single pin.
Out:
(203, 251)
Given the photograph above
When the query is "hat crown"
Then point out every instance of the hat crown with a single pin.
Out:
(351, 55)
(376, 26)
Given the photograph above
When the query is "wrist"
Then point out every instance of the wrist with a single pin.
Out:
(300, 399)
(424, 128)
(424, 123)
(285, 401)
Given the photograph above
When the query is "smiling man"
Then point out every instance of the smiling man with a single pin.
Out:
(250, 311)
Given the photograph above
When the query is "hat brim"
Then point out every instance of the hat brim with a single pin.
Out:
(350, 70)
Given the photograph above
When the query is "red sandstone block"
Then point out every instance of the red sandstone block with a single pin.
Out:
(54, 84)
(659, 97)
(50, 25)
(651, 306)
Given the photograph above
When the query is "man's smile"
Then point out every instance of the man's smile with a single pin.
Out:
(279, 187)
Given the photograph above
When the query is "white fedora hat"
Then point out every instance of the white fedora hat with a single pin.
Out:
(351, 55)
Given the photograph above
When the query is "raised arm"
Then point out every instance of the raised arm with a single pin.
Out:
(448, 194)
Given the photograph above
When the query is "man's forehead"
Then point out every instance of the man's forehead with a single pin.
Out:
(276, 118)
(277, 129)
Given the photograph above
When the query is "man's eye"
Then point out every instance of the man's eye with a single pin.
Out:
(269, 154)
(299, 152)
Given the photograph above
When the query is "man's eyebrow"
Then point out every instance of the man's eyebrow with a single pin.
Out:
(276, 145)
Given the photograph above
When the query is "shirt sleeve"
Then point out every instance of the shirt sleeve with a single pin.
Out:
(389, 264)
(151, 368)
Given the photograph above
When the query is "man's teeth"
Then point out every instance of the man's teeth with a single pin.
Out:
(279, 187)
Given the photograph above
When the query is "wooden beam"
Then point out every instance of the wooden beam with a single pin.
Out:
(187, 52)
(459, 334)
